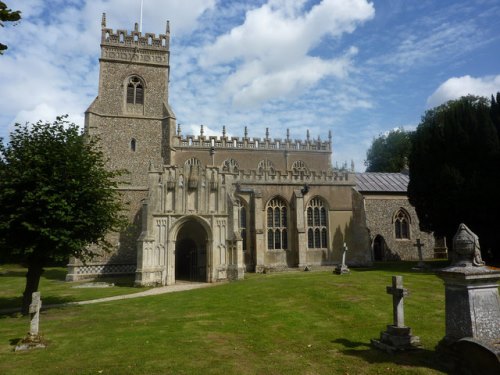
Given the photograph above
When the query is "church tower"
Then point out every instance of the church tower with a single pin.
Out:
(133, 121)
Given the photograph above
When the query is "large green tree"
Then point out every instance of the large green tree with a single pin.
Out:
(455, 171)
(56, 198)
(7, 15)
(389, 152)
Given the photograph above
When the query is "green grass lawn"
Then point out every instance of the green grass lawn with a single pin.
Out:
(288, 323)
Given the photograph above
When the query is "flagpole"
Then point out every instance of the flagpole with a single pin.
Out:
(140, 21)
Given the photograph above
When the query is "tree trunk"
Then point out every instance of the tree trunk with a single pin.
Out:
(32, 281)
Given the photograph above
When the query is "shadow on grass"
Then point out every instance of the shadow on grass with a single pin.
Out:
(405, 266)
(415, 358)
(11, 306)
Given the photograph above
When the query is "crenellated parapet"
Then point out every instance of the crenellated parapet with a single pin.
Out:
(254, 143)
(134, 46)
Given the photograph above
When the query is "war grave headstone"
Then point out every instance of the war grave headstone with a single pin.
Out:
(342, 268)
(33, 339)
(421, 265)
(471, 344)
(398, 336)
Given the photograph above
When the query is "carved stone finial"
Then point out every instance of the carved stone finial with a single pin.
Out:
(179, 130)
(267, 133)
(167, 31)
(103, 20)
(224, 130)
(330, 135)
(246, 132)
(466, 247)
(308, 136)
(136, 27)
(201, 130)
(352, 165)
(287, 134)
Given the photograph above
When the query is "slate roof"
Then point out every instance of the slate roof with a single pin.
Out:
(382, 182)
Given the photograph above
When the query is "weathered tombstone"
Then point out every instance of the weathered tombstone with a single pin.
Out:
(398, 337)
(472, 307)
(341, 269)
(33, 339)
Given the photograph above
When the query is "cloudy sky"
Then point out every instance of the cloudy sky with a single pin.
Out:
(356, 67)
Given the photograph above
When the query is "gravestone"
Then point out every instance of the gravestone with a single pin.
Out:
(33, 339)
(421, 265)
(341, 269)
(398, 336)
(472, 307)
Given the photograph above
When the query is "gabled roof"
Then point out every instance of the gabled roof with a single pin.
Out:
(382, 182)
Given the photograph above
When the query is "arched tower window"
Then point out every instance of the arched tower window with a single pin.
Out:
(244, 225)
(133, 144)
(277, 224)
(402, 224)
(135, 91)
(317, 223)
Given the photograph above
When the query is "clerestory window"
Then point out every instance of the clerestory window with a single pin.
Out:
(277, 225)
(135, 91)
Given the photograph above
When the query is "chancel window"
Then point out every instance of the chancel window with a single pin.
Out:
(135, 91)
(317, 231)
(402, 224)
(277, 225)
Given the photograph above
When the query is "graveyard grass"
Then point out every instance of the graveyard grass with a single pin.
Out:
(281, 323)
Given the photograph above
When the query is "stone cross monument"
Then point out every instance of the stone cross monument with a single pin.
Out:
(341, 269)
(398, 294)
(398, 337)
(419, 246)
(33, 339)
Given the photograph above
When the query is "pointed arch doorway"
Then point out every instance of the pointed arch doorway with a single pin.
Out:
(191, 252)
(379, 248)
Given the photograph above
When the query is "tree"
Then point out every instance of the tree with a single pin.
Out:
(7, 15)
(56, 198)
(389, 153)
(455, 171)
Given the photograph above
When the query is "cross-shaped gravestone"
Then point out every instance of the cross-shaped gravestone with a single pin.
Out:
(36, 304)
(398, 293)
(342, 268)
(419, 246)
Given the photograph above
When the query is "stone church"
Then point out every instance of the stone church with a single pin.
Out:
(210, 208)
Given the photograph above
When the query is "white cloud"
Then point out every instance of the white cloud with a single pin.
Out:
(269, 52)
(456, 87)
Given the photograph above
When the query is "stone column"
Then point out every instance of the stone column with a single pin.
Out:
(301, 228)
(260, 245)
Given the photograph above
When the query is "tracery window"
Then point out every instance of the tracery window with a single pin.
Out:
(135, 91)
(277, 225)
(317, 223)
(266, 166)
(230, 165)
(300, 168)
(402, 224)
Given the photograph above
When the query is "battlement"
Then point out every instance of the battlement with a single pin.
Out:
(254, 143)
(135, 38)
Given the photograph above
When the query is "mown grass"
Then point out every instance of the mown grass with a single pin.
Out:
(288, 323)
(54, 290)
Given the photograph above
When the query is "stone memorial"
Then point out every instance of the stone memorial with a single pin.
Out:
(398, 336)
(472, 308)
(341, 269)
(33, 339)
(421, 265)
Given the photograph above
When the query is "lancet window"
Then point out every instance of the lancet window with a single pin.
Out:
(277, 224)
(317, 224)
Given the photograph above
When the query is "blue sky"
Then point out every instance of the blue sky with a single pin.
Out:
(358, 68)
